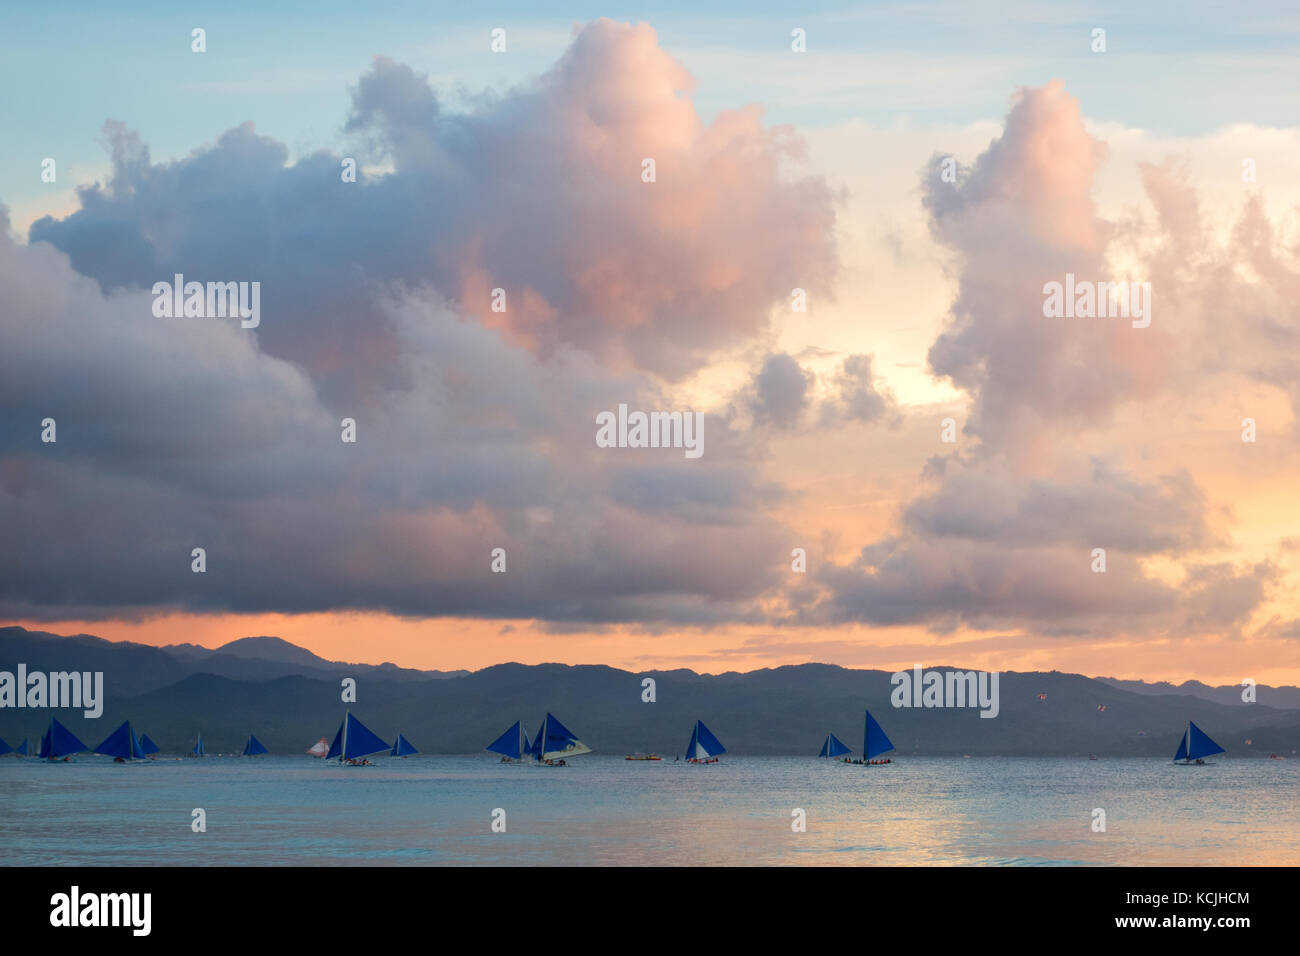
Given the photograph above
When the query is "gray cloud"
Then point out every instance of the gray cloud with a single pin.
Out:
(781, 391)
(783, 394)
(475, 429)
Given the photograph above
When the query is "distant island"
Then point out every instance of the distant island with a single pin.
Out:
(290, 697)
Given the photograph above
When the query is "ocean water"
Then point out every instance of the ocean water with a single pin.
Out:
(430, 810)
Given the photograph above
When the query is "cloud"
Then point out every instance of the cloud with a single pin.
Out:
(538, 192)
(785, 395)
(857, 396)
(1020, 217)
(475, 429)
(178, 433)
(1105, 508)
(1003, 536)
(781, 391)
(1049, 589)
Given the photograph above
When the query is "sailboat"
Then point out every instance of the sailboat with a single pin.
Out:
(25, 749)
(513, 745)
(254, 747)
(554, 742)
(1195, 746)
(148, 746)
(198, 750)
(122, 745)
(319, 749)
(875, 742)
(403, 748)
(59, 741)
(354, 742)
(833, 747)
(704, 747)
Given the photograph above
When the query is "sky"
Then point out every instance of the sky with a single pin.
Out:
(947, 458)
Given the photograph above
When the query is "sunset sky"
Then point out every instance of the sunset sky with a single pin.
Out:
(1172, 158)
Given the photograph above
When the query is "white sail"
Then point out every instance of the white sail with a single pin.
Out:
(575, 749)
(320, 748)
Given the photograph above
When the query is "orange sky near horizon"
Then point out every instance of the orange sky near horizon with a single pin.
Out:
(472, 644)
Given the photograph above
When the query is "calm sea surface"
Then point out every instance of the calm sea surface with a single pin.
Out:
(605, 810)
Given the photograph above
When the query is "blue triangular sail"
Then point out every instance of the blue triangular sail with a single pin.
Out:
(25, 748)
(336, 746)
(833, 747)
(535, 748)
(1199, 743)
(710, 742)
(513, 743)
(4, 747)
(362, 741)
(148, 746)
(557, 731)
(1182, 747)
(875, 741)
(198, 750)
(554, 740)
(121, 743)
(354, 739)
(59, 741)
(403, 748)
(703, 744)
(254, 747)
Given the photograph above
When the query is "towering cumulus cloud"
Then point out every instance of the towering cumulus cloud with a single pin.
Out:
(1023, 216)
(1005, 537)
(474, 427)
(539, 193)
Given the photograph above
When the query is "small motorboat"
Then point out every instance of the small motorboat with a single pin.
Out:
(640, 756)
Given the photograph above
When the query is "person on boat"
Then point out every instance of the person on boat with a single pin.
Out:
(1200, 762)
(118, 760)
